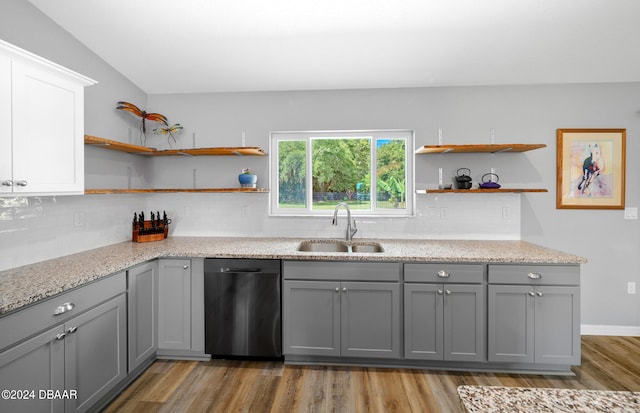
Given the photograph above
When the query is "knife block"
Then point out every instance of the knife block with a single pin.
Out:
(148, 232)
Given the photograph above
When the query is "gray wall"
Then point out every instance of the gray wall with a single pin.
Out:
(529, 114)
(518, 114)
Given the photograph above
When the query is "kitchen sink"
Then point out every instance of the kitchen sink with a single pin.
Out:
(340, 246)
(367, 247)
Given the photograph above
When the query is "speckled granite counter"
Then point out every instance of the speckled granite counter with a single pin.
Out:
(26, 285)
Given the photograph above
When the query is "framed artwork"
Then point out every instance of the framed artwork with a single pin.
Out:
(590, 168)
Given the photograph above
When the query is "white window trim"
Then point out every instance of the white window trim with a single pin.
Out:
(274, 137)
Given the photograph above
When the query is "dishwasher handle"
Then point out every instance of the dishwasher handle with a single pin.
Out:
(240, 269)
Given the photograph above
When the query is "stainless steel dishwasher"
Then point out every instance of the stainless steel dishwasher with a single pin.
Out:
(243, 308)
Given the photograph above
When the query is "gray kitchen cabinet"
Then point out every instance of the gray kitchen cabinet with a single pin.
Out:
(370, 319)
(311, 318)
(534, 314)
(73, 343)
(342, 314)
(142, 300)
(35, 364)
(95, 353)
(181, 308)
(444, 320)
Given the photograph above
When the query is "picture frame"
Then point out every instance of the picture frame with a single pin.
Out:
(590, 168)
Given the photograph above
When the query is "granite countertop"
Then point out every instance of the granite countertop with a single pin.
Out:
(30, 283)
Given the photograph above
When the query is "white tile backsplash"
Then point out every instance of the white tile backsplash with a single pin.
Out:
(33, 229)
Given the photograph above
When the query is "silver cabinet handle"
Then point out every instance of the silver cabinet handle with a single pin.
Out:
(539, 294)
(443, 274)
(440, 292)
(447, 292)
(344, 289)
(531, 293)
(21, 183)
(60, 336)
(64, 308)
(72, 330)
(8, 182)
(337, 290)
(186, 267)
(534, 275)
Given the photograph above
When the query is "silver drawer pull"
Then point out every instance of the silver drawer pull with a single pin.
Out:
(440, 292)
(64, 308)
(531, 293)
(447, 292)
(72, 330)
(60, 336)
(8, 182)
(21, 183)
(534, 275)
(539, 294)
(443, 274)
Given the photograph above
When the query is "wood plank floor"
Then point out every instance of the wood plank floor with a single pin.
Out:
(608, 363)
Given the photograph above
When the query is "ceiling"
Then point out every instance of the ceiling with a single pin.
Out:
(195, 46)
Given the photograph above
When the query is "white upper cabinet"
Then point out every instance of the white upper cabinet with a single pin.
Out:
(41, 125)
(5, 123)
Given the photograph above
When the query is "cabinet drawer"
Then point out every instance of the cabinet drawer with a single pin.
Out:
(21, 324)
(444, 273)
(534, 274)
(341, 270)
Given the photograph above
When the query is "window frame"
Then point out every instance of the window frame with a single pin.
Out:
(407, 134)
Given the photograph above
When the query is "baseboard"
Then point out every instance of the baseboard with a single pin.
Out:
(605, 330)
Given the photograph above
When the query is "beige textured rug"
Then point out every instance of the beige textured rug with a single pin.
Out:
(490, 399)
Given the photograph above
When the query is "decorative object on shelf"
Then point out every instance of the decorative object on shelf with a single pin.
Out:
(590, 168)
(175, 128)
(155, 229)
(489, 184)
(463, 181)
(247, 178)
(155, 117)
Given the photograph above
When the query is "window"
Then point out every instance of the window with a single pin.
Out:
(371, 171)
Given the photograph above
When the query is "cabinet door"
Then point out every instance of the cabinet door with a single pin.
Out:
(5, 125)
(48, 128)
(95, 352)
(557, 325)
(36, 364)
(174, 305)
(370, 319)
(423, 321)
(311, 318)
(464, 322)
(142, 314)
(511, 322)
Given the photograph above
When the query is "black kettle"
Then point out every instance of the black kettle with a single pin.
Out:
(463, 181)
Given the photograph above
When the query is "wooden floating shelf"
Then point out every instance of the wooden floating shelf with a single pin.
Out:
(171, 190)
(116, 146)
(143, 150)
(490, 148)
(478, 190)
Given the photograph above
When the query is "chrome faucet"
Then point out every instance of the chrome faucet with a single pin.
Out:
(351, 225)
